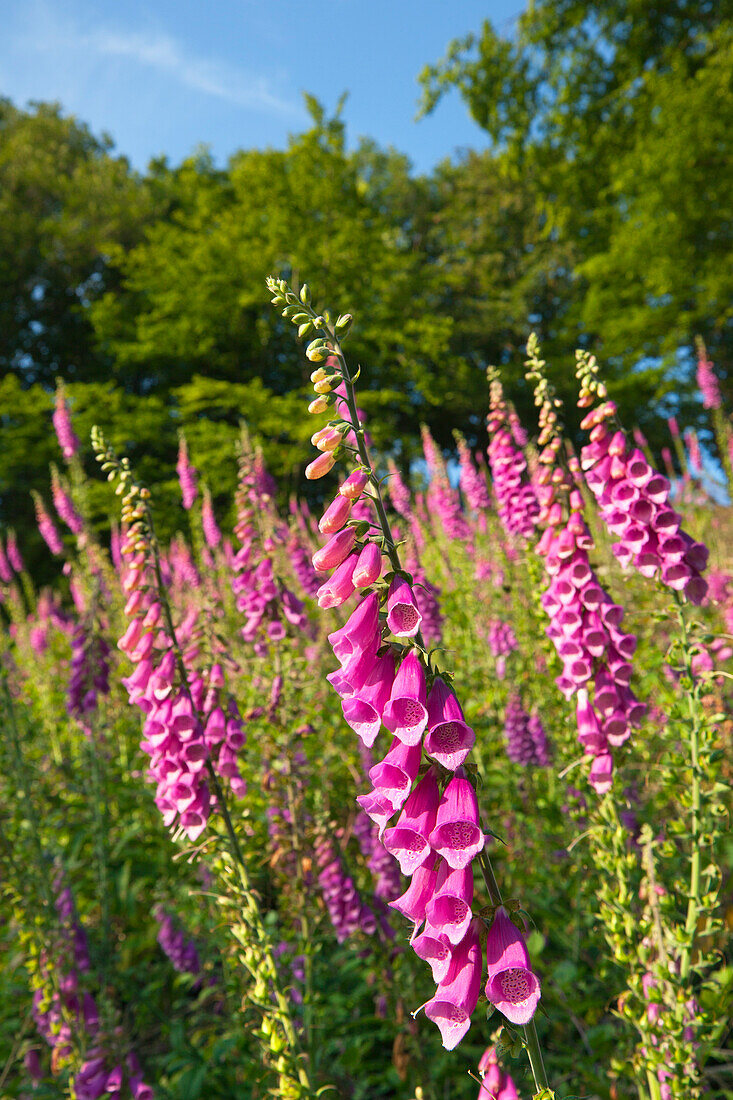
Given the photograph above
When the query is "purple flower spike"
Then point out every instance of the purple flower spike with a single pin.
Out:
(406, 714)
(457, 836)
(511, 987)
(408, 839)
(449, 910)
(403, 616)
(456, 997)
(449, 739)
(363, 711)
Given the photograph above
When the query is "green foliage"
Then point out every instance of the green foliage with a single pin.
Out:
(620, 116)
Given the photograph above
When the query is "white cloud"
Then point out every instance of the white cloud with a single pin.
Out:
(44, 32)
(210, 76)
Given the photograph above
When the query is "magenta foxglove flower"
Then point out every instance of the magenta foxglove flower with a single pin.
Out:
(47, 527)
(210, 527)
(359, 632)
(406, 714)
(378, 807)
(403, 616)
(363, 711)
(433, 947)
(13, 552)
(601, 772)
(337, 589)
(394, 775)
(369, 566)
(412, 904)
(457, 836)
(449, 739)
(354, 485)
(707, 381)
(335, 550)
(335, 515)
(449, 909)
(511, 986)
(408, 839)
(457, 996)
(496, 1084)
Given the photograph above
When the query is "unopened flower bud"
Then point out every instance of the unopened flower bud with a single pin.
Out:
(320, 466)
(321, 403)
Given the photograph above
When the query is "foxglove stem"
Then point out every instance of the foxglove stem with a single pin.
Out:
(389, 543)
(532, 1042)
(693, 704)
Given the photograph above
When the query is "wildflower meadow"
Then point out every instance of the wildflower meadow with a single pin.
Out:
(416, 787)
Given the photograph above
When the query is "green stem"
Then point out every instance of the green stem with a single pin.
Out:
(532, 1042)
(693, 904)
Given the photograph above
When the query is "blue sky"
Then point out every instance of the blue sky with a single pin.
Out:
(163, 76)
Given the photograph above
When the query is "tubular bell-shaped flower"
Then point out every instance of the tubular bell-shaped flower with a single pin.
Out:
(511, 986)
(457, 995)
(406, 714)
(457, 836)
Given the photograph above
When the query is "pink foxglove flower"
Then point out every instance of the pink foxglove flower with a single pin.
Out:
(336, 515)
(496, 1084)
(406, 714)
(408, 839)
(512, 986)
(449, 909)
(369, 566)
(354, 485)
(360, 632)
(456, 997)
(210, 527)
(13, 552)
(363, 710)
(403, 616)
(340, 586)
(336, 550)
(394, 776)
(449, 739)
(457, 836)
(47, 527)
(434, 948)
(412, 904)
(320, 466)
(707, 381)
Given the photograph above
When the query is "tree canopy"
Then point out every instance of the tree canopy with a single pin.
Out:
(620, 114)
(600, 217)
